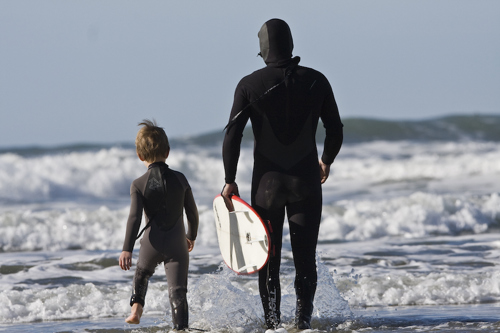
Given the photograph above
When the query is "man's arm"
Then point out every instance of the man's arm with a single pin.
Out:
(234, 133)
(333, 128)
(232, 144)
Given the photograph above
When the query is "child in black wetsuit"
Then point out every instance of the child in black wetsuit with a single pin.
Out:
(163, 194)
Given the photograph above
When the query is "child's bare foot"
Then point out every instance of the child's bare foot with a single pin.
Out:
(135, 315)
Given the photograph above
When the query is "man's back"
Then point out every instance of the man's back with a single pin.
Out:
(285, 118)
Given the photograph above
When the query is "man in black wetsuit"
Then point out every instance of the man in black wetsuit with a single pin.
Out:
(284, 102)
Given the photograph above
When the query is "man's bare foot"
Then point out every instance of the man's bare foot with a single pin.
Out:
(135, 315)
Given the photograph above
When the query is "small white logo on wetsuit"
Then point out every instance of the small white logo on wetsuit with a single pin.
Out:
(273, 316)
(154, 184)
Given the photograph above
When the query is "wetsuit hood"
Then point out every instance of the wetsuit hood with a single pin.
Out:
(276, 41)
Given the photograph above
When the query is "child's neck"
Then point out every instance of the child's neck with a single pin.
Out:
(147, 163)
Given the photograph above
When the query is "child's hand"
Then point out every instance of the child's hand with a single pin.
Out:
(125, 260)
(190, 244)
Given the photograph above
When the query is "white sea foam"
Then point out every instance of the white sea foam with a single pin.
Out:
(69, 302)
(422, 289)
(417, 215)
(216, 300)
(56, 230)
(425, 271)
(103, 174)
(376, 189)
(414, 216)
(78, 228)
(377, 168)
(403, 224)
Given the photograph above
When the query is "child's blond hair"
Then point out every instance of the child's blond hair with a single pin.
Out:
(151, 142)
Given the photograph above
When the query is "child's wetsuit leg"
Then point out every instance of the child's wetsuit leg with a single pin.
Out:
(146, 264)
(177, 276)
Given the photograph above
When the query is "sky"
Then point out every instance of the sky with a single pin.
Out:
(90, 71)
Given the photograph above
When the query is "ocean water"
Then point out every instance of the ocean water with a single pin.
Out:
(409, 241)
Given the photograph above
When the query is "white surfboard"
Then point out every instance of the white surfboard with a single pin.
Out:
(244, 240)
